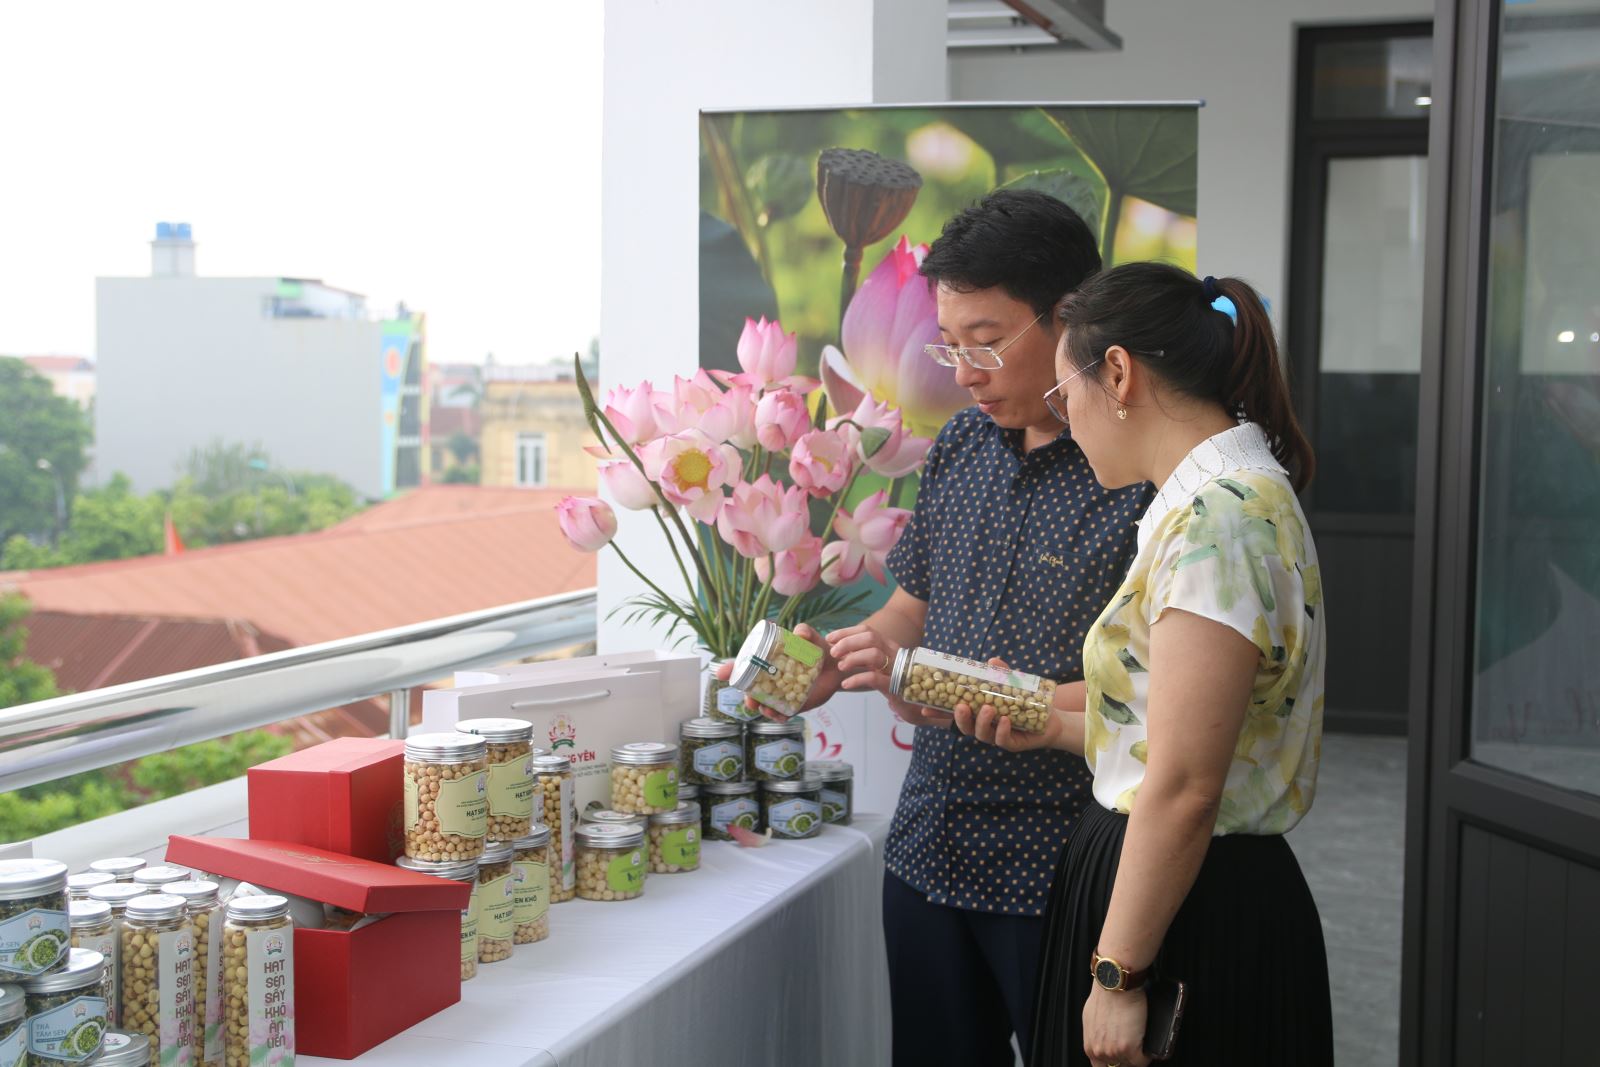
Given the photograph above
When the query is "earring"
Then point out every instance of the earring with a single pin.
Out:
(1122, 413)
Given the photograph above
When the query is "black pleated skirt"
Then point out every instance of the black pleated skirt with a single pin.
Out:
(1247, 943)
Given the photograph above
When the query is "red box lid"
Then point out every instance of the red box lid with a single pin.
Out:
(340, 754)
(344, 881)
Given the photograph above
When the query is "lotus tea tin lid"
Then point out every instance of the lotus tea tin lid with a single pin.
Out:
(445, 748)
(808, 783)
(605, 835)
(20, 879)
(754, 654)
(84, 967)
(13, 1003)
(119, 1049)
(644, 753)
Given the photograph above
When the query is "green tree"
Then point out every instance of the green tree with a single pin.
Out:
(21, 680)
(462, 447)
(463, 474)
(220, 468)
(36, 425)
(111, 522)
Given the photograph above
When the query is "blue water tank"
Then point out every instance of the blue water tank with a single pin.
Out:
(163, 231)
(183, 231)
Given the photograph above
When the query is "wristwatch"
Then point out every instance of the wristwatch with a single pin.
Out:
(1114, 977)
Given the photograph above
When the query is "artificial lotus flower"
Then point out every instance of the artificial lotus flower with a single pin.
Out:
(588, 523)
(781, 417)
(767, 355)
(762, 517)
(892, 316)
(691, 469)
(640, 414)
(821, 462)
(627, 486)
(798, 568)
(877, 434)
(734, 417)
(866, 536)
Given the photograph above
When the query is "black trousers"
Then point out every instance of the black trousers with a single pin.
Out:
(960, 982)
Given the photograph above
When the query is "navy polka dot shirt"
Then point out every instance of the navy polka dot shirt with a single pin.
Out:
(1016, 553)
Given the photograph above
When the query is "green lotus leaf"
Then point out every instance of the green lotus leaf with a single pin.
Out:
(1149, 153)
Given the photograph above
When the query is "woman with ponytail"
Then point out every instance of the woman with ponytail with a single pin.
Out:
(1201, 710)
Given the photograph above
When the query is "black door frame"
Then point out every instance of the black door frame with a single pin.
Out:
(1446, 791)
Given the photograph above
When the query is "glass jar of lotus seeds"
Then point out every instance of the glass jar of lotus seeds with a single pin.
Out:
(531, 863)
(724, 805)
(205, 910)
(776, 668)
(838, 790)
(611, 862)
(119, 867)
(67, 1012)
(446, 789)
(774, 750)
(34, 934)
(78, 885)
(158, 975)
(712, 751)
(792, 808)
(644, 777)
(722, 701)
(13, 1032)
(121, 1049)
(497, 902)
(456, 872)
(94, 929)
(675, 839)
(511, 784)
(561, 816)
(258, 970)
(935, 680)
(154, 878)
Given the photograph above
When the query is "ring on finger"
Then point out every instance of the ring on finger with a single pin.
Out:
(885, 668)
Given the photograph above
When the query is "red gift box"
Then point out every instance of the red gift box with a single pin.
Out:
(344, 795)
(353, 989)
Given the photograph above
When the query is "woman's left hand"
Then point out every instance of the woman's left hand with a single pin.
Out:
(1113, 1028)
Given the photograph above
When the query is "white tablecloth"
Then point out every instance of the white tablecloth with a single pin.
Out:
(768, 956)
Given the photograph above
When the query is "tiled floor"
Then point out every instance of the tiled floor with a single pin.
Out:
(1351, 847)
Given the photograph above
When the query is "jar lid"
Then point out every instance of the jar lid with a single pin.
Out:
(84, 967)
(258, 906)
(728, 789)
(20, 879)
(754, 654)
(606, 816)
(551, 764)
(13, 1003)
(807, 783)
(496, 852)
(537, 837)
(117, 894)
(80, 884)
(606, 835)
(88, 913)
(118, 865)
(831, 770)
(194, 891)
(155, 907)
(688, 790)
(119, 1049)
(707, 727)
(900, 673)
(455, 870)
(644, 753)
(685, 812)
(161, 875)
(767, 728)
(445, 748)
(498, 731)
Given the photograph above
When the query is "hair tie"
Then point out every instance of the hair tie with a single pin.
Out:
(1218, 301)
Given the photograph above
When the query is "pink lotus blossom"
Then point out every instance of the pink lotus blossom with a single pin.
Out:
(781, 417)
(881, 440)
(865, 538)
(640, 414)
(627, 486)
(767, 355)
(691, 469)
(762, 517)
(734, 417)
(588, 522)
(821, 462)
(798, 568)
(891, 317)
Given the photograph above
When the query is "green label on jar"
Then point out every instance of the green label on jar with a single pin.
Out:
(797, 647)
(625, 873)
(511, 788)
(33, 942)
(661, 788)
(681, 848)
(413, 803)
(497, 908)
(532, 890)
(463, 805)
(69, 1032)
(469, 931)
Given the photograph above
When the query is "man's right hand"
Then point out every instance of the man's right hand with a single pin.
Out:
(866, 659)
(829, 677)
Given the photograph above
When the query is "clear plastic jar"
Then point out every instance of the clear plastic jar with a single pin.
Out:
(611, 863)
(34, 934)
(497, 902)
(792, 808)
(78, 885)
(258, 965)
(561, 816)
(936, 680)
(13, 1032)
(774, 750)
(466, 871)
(606, 816)
(205, 910)
(116, 897)
(153, 879)
(838, 790)
(446, 797)
(158, 972)
(531, 864)
(727, 804)
(121, 1049)
(67, 1012)
(94, 929)
(722, 702)
(776, 668)
(675, 840)
(511, 785)
(644, 777)
(712, 751)
(119, 867)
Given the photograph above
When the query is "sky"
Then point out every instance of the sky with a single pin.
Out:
(443, 154)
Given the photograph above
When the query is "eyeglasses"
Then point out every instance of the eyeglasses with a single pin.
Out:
(1056, 400)
(984, 357)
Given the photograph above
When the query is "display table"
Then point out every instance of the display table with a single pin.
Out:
(769, 956)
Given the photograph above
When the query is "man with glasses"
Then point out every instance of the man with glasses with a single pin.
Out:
(1013, 550)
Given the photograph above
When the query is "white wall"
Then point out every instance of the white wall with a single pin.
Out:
(1238, 56)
